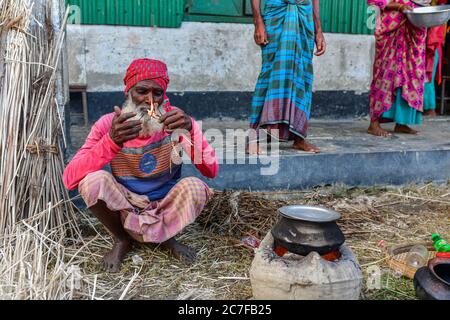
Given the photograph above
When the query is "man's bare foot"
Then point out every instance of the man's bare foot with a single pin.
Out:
(113, 259)
(253, 148)
(180, 251)
(431, 113)
(376, 130)
(304, 145)
(400, 128)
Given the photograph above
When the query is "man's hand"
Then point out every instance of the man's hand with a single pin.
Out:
(176, 119)
(261, 34)
(122, 130)
(321, 45)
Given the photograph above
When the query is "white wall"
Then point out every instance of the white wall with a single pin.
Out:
(205, 57)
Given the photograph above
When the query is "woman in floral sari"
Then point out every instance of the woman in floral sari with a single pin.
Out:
(397, 90)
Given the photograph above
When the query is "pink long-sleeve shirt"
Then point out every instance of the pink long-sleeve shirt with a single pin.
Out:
(143, 164)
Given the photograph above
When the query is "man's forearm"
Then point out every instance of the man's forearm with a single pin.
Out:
(256, 10)
(89, 160)
(98, 150)
(316, 16)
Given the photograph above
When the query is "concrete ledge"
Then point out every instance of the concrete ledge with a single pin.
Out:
(353, 169)
(349, 156)
(362, 169)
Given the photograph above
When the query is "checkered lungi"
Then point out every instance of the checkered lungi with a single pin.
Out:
(146, 220)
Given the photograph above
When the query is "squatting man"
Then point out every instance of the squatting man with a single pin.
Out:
(143, 199)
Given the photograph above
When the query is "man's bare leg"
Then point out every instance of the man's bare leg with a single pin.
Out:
(400, 128)
(122, 245)
(303, 145)
(376, 130)
(179, 250)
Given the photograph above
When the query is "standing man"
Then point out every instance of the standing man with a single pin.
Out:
(283, 95)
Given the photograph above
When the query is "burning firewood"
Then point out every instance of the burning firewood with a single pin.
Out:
(153, 111)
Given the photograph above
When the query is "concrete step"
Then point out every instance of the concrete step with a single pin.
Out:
(349, 156)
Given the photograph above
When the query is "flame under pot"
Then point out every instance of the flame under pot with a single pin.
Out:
(303, 237)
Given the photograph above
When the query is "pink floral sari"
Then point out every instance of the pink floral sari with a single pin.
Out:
(399, 61)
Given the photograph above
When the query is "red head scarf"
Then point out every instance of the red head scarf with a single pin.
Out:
(146, 69)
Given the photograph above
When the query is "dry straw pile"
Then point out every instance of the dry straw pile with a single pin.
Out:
(30, 125)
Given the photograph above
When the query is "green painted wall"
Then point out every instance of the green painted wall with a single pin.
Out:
(231, 8)
(340, 16)
(161, 13)
(345, 16)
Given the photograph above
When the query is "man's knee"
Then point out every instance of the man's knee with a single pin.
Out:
(95, 179)
(192, 182)
(195, 186)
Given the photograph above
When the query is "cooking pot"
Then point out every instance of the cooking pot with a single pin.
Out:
(433, 282)
(303, 229)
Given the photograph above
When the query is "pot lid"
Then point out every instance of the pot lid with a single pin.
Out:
(309, 213)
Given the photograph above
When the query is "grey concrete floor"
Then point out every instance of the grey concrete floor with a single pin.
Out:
(349, 156)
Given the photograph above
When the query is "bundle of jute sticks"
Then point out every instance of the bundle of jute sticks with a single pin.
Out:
(31, 133)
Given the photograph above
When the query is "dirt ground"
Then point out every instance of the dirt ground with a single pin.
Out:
(369, 215)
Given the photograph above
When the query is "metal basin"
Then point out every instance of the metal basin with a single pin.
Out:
(309, 213)
(429, 16)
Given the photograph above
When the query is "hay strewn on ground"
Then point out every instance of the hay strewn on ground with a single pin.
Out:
(396, 215)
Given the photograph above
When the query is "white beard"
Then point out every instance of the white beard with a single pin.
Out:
(149, 124)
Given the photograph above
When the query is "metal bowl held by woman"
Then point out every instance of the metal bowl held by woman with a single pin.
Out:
(429, 16)
(303, 229)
